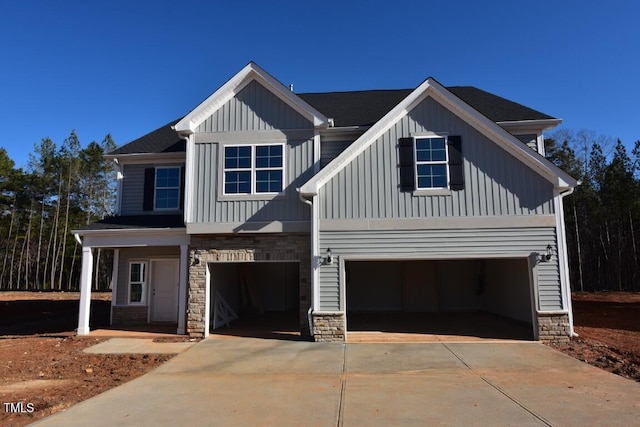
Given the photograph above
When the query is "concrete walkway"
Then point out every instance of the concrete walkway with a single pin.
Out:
(245, 381)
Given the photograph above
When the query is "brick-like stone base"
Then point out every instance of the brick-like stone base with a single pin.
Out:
(209, 249)
(129, 315)
(553, 327)
(329, 327)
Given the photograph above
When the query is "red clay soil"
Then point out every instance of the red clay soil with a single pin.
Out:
(43, 369)
(42, 362)
(608, 328)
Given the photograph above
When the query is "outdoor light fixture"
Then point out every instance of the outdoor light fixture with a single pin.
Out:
(549, 253)
(196, 260)
(329, 258)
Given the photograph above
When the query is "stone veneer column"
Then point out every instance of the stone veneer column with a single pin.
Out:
(553, 327)
(329, 326)
(246, 247)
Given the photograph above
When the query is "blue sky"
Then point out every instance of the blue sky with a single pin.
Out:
(126, 67)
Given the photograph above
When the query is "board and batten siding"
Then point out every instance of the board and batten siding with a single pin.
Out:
(254, 108)
(209, 208)
(128, 255)
(440, 244)
(495, 183)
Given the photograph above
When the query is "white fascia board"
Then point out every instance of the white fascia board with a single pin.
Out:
(142, 158)
(123, 238)
(232, 87)
(311, 187)
(529, 125)
(490, 129)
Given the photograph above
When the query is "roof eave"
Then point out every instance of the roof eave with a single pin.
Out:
(539, 124)
(234, 85)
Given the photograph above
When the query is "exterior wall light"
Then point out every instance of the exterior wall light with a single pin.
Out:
(329, 258)
(549, 253)
(196, 260)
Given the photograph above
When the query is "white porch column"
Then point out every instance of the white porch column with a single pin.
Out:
(182, 289)
(85, 290)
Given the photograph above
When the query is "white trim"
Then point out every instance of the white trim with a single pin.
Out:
(529, 125)
(417, 162)
(155, 188)
(248, 227)
(114, 282)
(563, 258)
(135, 238)
(233, 86)
(145, 283)
(431, 88)
(85, 290)
(119, 178)
(182, 290)
(189, 179)
(253, 170)
(207, 300)
(315, 254)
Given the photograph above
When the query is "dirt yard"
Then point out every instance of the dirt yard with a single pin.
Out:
(43, 369)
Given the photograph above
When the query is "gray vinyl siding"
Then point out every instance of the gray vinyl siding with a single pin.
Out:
(133, 188)
(440, 244)
(329, 150)
(254, 108)
(138, 254)
(209, 208)
(495, 182)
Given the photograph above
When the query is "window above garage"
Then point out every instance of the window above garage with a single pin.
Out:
(253, 170)
(429, 164)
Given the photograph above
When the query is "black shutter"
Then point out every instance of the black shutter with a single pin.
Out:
(456, 169)
(149, 189)
(182, 187)
(406, 164)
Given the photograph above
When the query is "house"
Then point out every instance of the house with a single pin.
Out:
(339, 206)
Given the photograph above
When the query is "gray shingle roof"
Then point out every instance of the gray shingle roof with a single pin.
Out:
(137, 222)
(161, 140)
(358, 108)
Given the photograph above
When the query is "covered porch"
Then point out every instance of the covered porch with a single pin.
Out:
(149, 276)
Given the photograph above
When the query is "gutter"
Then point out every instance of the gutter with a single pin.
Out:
(565, 256)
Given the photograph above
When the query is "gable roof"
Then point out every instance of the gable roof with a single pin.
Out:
(364, 108)
(232, 87)
(431, 88)
(162, 140)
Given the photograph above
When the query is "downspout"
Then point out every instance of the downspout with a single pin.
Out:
(563, 258)
(314, 239)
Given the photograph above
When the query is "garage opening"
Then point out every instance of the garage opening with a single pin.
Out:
(448, 299)
(255, 299)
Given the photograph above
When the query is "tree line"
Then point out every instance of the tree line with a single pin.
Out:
(602, 216)
(61, 189)
(66, 187)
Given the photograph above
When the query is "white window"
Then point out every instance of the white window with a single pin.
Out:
(253, 169)
(431, 162)
(167, 188)
(137, 282)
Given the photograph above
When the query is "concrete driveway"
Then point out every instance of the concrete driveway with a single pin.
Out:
(248, 381)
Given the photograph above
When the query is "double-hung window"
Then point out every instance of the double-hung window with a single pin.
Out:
(137, 282)
(253, 169)
(167, 188)
(431, 163)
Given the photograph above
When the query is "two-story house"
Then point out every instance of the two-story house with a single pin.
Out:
(351, 209)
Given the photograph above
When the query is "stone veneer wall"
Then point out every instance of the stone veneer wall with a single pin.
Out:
(129, 315)
(328, 326)
(239, 248)
(553, 327)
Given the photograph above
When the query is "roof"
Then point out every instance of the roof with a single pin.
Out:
(356, 108)
(161, 140)
(136, 222)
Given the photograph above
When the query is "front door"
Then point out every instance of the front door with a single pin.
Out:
(164, 290)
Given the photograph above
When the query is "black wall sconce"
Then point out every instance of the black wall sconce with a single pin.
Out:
(547, 255)
(328, 260)
(196, 260)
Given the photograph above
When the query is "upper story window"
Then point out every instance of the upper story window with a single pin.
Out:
(431, 163)
(167, 188)
(253, 169)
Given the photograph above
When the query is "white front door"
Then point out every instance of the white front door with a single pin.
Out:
(164, 290)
